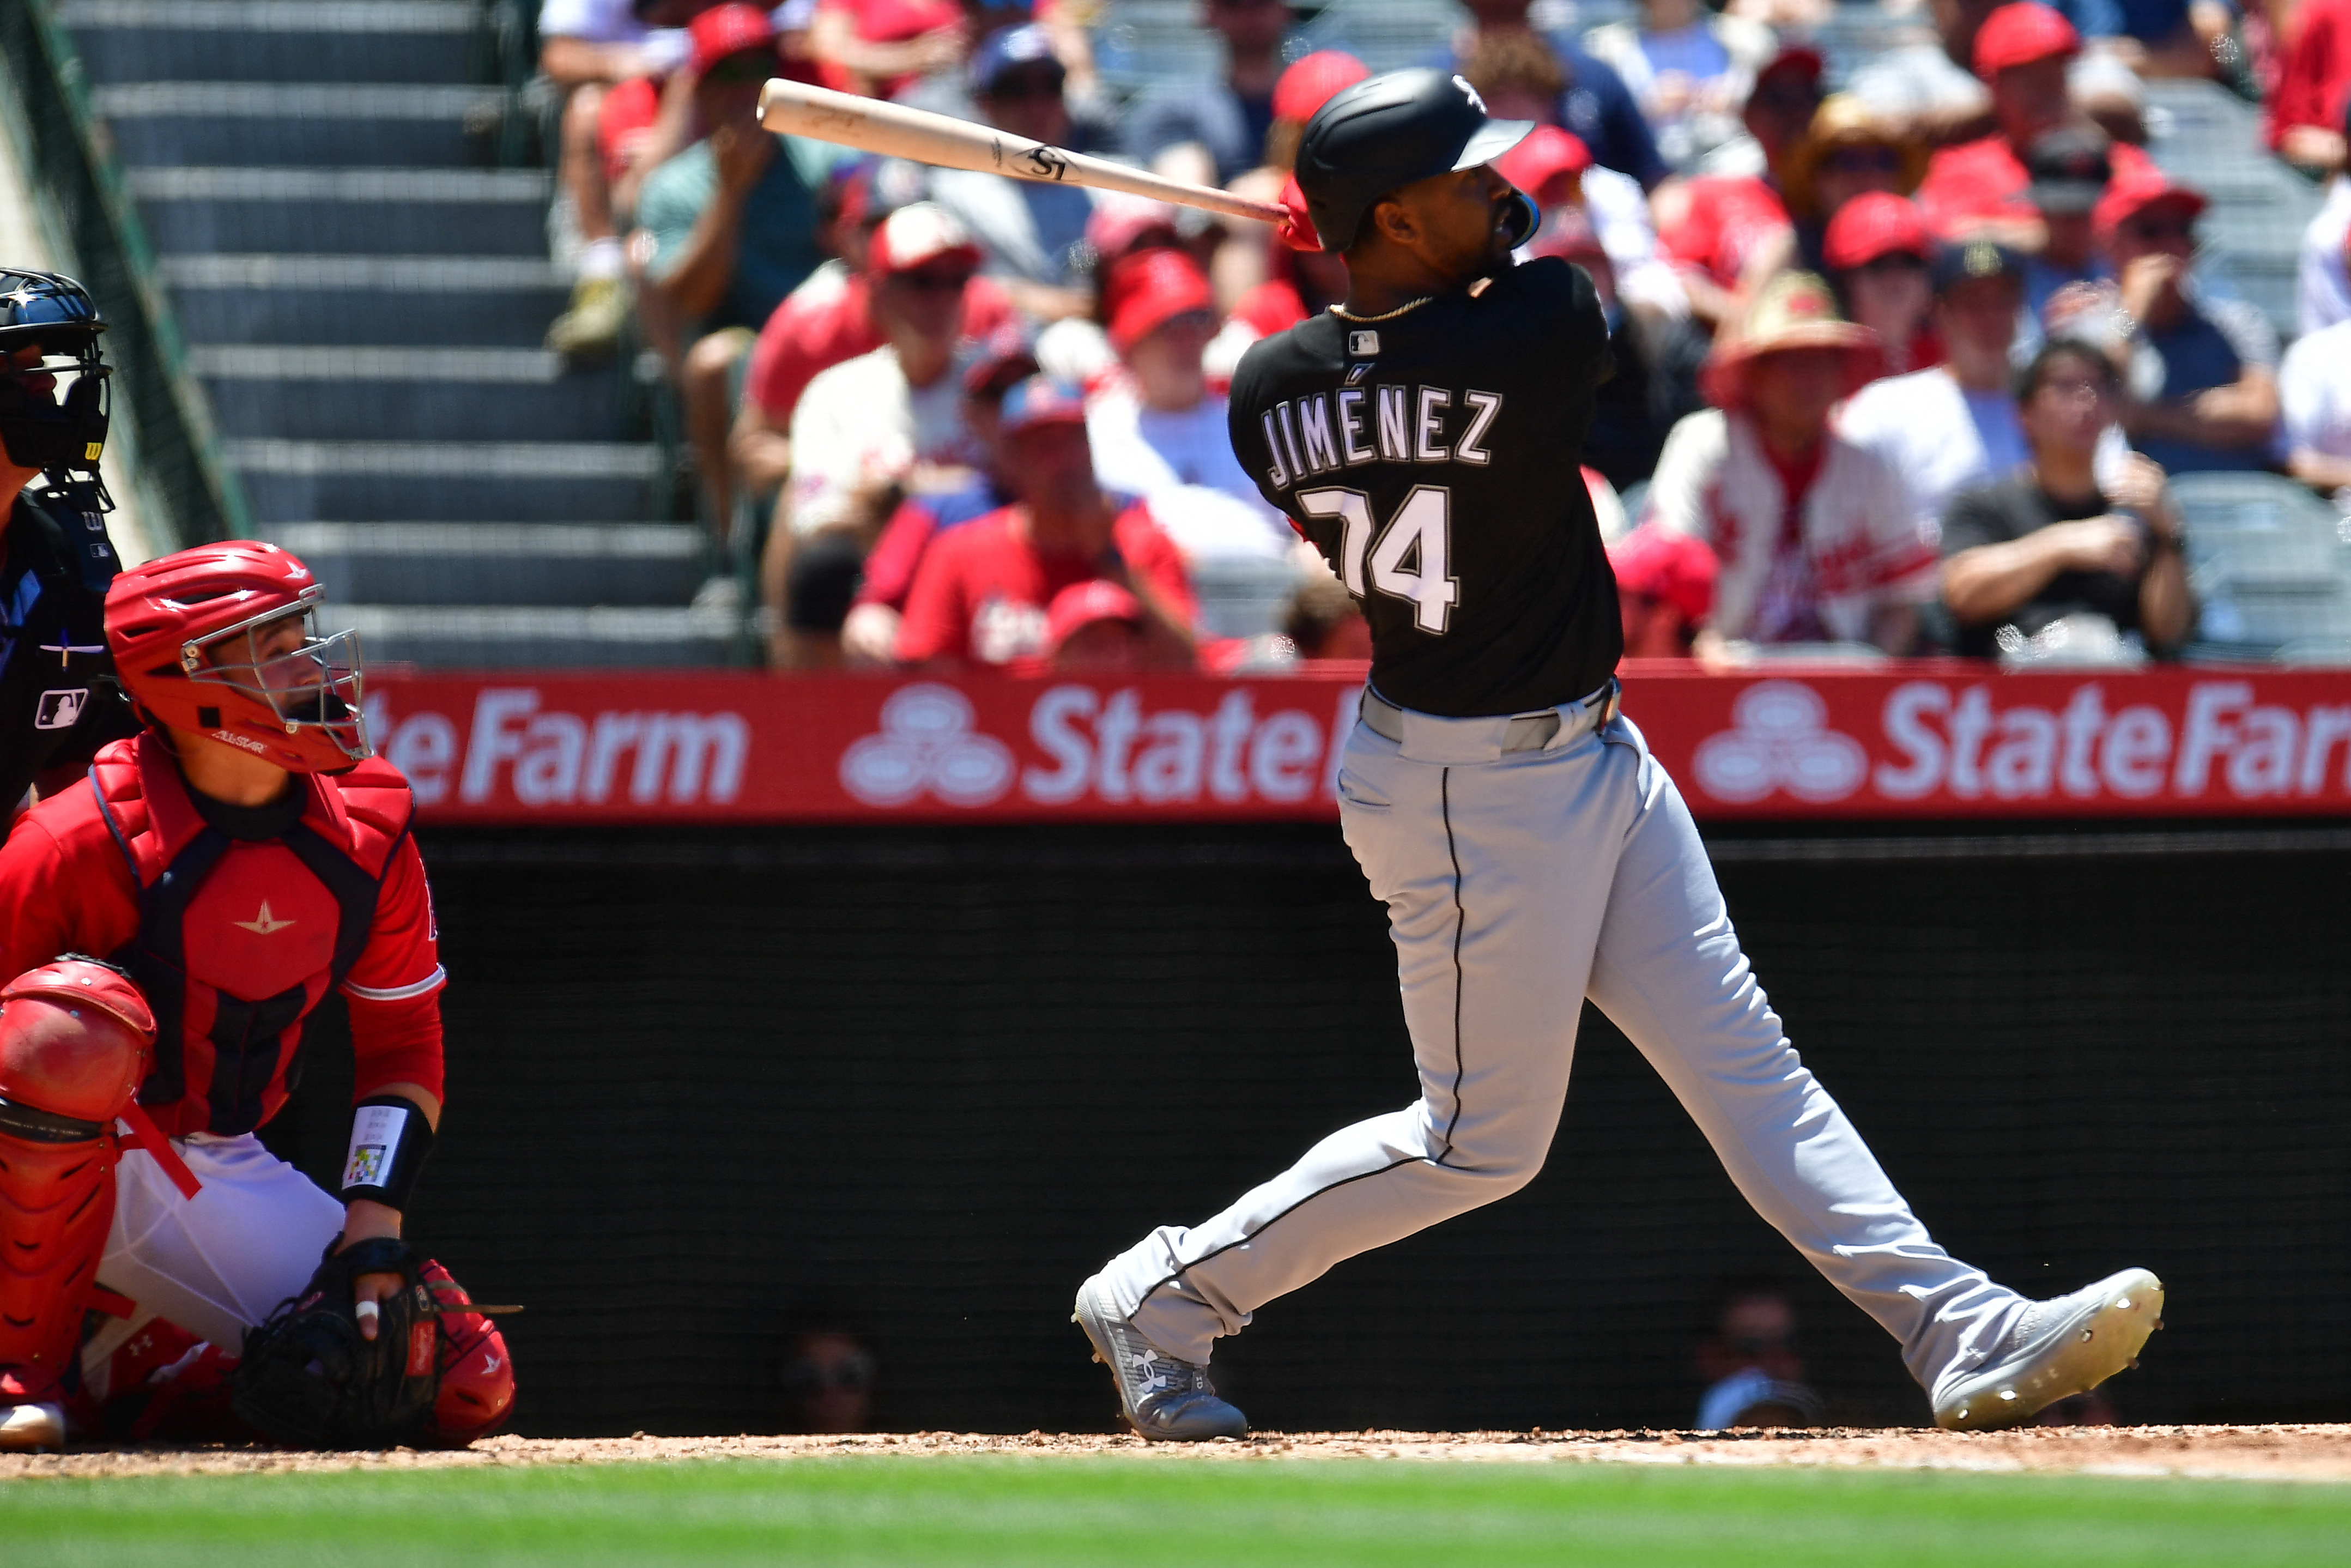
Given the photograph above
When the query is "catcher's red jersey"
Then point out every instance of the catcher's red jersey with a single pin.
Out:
(234, 940)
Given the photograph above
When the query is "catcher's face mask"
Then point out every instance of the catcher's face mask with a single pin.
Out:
(279, 662)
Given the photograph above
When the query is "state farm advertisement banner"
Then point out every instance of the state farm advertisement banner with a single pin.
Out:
(1922, 740)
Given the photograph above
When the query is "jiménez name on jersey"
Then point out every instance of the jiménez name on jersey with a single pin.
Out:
(1314, 434)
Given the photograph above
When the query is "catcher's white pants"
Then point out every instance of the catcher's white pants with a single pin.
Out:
(217, 1263)
(1517, 885)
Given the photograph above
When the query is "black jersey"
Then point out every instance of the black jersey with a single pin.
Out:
(59, 700)
(1433, 459)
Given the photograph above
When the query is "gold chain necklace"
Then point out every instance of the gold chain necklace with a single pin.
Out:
(1344, 314)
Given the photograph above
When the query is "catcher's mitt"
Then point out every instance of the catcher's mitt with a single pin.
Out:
(308, 1379)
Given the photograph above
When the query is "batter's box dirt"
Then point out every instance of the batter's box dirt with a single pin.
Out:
(2237, 1453)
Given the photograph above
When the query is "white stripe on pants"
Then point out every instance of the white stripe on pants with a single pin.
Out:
(217, 1263)
(1517, 886)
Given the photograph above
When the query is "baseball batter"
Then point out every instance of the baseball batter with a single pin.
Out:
(1530, 850)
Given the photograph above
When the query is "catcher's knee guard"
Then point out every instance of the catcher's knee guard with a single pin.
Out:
(74, 1043)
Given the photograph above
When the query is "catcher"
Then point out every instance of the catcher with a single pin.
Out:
(236, 861)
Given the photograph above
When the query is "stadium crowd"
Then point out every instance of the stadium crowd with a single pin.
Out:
(1904, 367)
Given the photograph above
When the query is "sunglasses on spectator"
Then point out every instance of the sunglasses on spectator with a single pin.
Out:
(933, 280)
(1866, 160)
(1018, 85)
(2161, 228)
(735, 70)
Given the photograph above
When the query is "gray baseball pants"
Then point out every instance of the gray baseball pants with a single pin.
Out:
(1518, 884)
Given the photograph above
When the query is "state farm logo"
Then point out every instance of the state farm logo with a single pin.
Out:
(927, 743)
(1780, 740)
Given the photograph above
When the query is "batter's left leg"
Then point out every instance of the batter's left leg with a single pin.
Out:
(1670, 973)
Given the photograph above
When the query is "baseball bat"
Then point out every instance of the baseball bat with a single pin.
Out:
(896, 131)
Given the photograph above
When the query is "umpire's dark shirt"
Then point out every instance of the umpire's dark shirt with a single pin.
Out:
(58, 702)
(1453, 429)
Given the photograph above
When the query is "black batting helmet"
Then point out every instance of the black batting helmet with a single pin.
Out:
(53, 407)
(1391, 130)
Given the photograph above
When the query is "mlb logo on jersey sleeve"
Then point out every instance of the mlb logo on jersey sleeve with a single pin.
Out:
(60, 709)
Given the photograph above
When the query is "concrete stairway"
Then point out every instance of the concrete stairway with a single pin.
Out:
(364, 295)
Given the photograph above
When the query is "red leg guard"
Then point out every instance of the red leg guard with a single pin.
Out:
(74, 1038)
(56, 1202)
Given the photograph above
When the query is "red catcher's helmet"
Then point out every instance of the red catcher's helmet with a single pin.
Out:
(186, 635)
(74, 1038)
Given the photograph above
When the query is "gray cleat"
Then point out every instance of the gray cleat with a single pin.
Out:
(2058, 1349)
(1164, 1399)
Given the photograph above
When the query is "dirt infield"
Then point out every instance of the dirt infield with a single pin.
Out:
(2236, 1453)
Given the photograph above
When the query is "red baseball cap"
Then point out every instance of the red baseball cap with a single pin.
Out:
(2127, 196)
(1122, 224)
(2020, 34)
(1677, 568)
(1081, 604)
(1547, 154)
(730, 29)
(1151, 288)
(1877, 223)
(917, 236)
(1315, 80)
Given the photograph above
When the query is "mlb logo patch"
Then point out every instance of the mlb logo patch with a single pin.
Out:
(1363, 345)
(60, 709)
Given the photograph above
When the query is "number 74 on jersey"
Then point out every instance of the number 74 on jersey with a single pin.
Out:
(1410, 557)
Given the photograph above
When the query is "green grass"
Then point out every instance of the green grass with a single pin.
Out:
(1206, 1514)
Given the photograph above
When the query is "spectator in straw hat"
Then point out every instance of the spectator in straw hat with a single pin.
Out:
(1877, 249)
(1849, 151)
(1980, 187)
(1815, 535)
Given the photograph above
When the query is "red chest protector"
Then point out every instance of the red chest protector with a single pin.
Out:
(239, 939)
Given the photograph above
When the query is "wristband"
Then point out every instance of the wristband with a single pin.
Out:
(390, 1138)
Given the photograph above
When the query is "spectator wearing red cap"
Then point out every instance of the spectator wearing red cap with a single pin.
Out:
(2198, 374)
(2305, 123)
(1158, 426)
(1665, 589)
(1815, 535)
(1876, 250)
(1726, 233)
(984, 592)
(1095, 628)
(826, 321)
(890, 421)
(1981, 187)
(593, 51)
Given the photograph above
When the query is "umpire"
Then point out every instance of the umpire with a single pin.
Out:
(59, 700)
